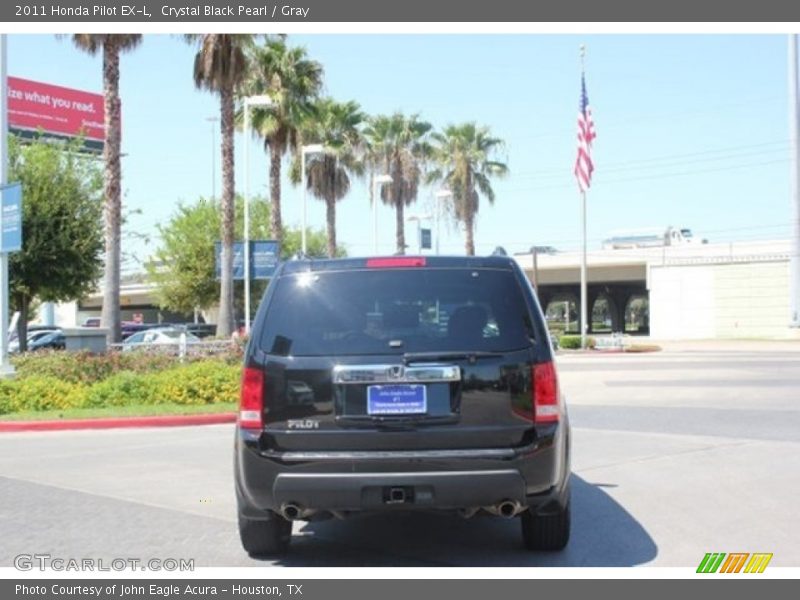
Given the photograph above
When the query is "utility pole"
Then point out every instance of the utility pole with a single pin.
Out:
(6, 369)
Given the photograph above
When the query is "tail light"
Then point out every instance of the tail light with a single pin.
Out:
(546, 407)
(251, 399)
(395, 262)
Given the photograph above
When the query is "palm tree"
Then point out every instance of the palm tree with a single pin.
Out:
(292, 81)
(398, 145)
(335, 125)
(111, 45)
(220, 66)
(464, 157)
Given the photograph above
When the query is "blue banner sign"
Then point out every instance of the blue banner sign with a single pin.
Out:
(425, 239)
(11, 208)
(264, 258)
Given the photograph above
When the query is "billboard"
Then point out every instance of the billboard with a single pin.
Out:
(264, 257)
(59, 112)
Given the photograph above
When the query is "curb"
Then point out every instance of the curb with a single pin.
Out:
(118, 422)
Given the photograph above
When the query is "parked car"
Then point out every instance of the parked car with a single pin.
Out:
(128, 328)
(13, 345)
(431, 386)
(91, 322)
(202, 330)
(54, 340)
(156, 337)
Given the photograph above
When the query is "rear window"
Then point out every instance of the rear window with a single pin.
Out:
(396, 311)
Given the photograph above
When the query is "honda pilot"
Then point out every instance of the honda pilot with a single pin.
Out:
(400, 384)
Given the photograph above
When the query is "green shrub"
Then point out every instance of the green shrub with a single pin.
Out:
(5, 398)
(207, 382)
(573, 342)
(122, 389)
(204, 382)
(40, 393)
(87, 368)
(74, 367)
(197, 383)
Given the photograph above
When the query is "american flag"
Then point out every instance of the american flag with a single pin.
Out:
(586, 134)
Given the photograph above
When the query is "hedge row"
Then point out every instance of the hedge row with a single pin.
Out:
(197, 383)
(87, 368)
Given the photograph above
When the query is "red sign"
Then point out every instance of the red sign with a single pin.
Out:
(57, 111)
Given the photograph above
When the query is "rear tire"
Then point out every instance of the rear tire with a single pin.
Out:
(546, 532)
(265, 537)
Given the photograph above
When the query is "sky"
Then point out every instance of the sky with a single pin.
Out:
(692, 130)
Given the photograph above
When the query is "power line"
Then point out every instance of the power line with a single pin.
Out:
(613, 124)
(602, 180)
(657, 163)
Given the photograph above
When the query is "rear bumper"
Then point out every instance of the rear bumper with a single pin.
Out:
(368, 491)
(535, 476)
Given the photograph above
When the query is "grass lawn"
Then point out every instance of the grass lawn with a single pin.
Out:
(120, 411)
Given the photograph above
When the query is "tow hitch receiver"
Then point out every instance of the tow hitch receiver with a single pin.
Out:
(398, 495)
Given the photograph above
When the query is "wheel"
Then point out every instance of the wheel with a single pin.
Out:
(265, 537)
(546, 532)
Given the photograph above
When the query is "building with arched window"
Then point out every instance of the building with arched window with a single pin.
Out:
(724, 290)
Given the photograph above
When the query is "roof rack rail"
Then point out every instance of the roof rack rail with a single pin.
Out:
(499, 251)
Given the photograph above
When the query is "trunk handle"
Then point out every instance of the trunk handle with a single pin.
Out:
(427, 373)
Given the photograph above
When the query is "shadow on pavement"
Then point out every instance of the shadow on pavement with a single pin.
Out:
(604, 534)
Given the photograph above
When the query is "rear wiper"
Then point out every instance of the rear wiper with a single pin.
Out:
(470, 355)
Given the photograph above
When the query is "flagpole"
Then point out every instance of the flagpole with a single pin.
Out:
(583, 318)
(584, 323)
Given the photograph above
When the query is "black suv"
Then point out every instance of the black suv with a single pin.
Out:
(400, 383)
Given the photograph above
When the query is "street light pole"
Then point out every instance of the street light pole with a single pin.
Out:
(377, 182)
(440, 195)
(248, 103)
(794, 135)
(304, 151)
(6, 369)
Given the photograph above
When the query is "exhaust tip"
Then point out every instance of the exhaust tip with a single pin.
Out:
(290, 511)
(507, 509)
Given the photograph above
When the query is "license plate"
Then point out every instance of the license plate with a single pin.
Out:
(396, 399)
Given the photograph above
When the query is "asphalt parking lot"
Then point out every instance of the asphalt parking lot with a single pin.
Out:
(692, 450)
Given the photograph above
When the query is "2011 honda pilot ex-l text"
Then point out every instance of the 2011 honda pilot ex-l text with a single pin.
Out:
(400, 383)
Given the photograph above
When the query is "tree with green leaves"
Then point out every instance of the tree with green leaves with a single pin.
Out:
(221, 66)
(111, 46)
(62, 224)
(182, 267)
(292, 81)
(337, 127)
(464, 156)
(397, 145)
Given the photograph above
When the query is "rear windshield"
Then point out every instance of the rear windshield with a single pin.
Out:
(396, 311)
